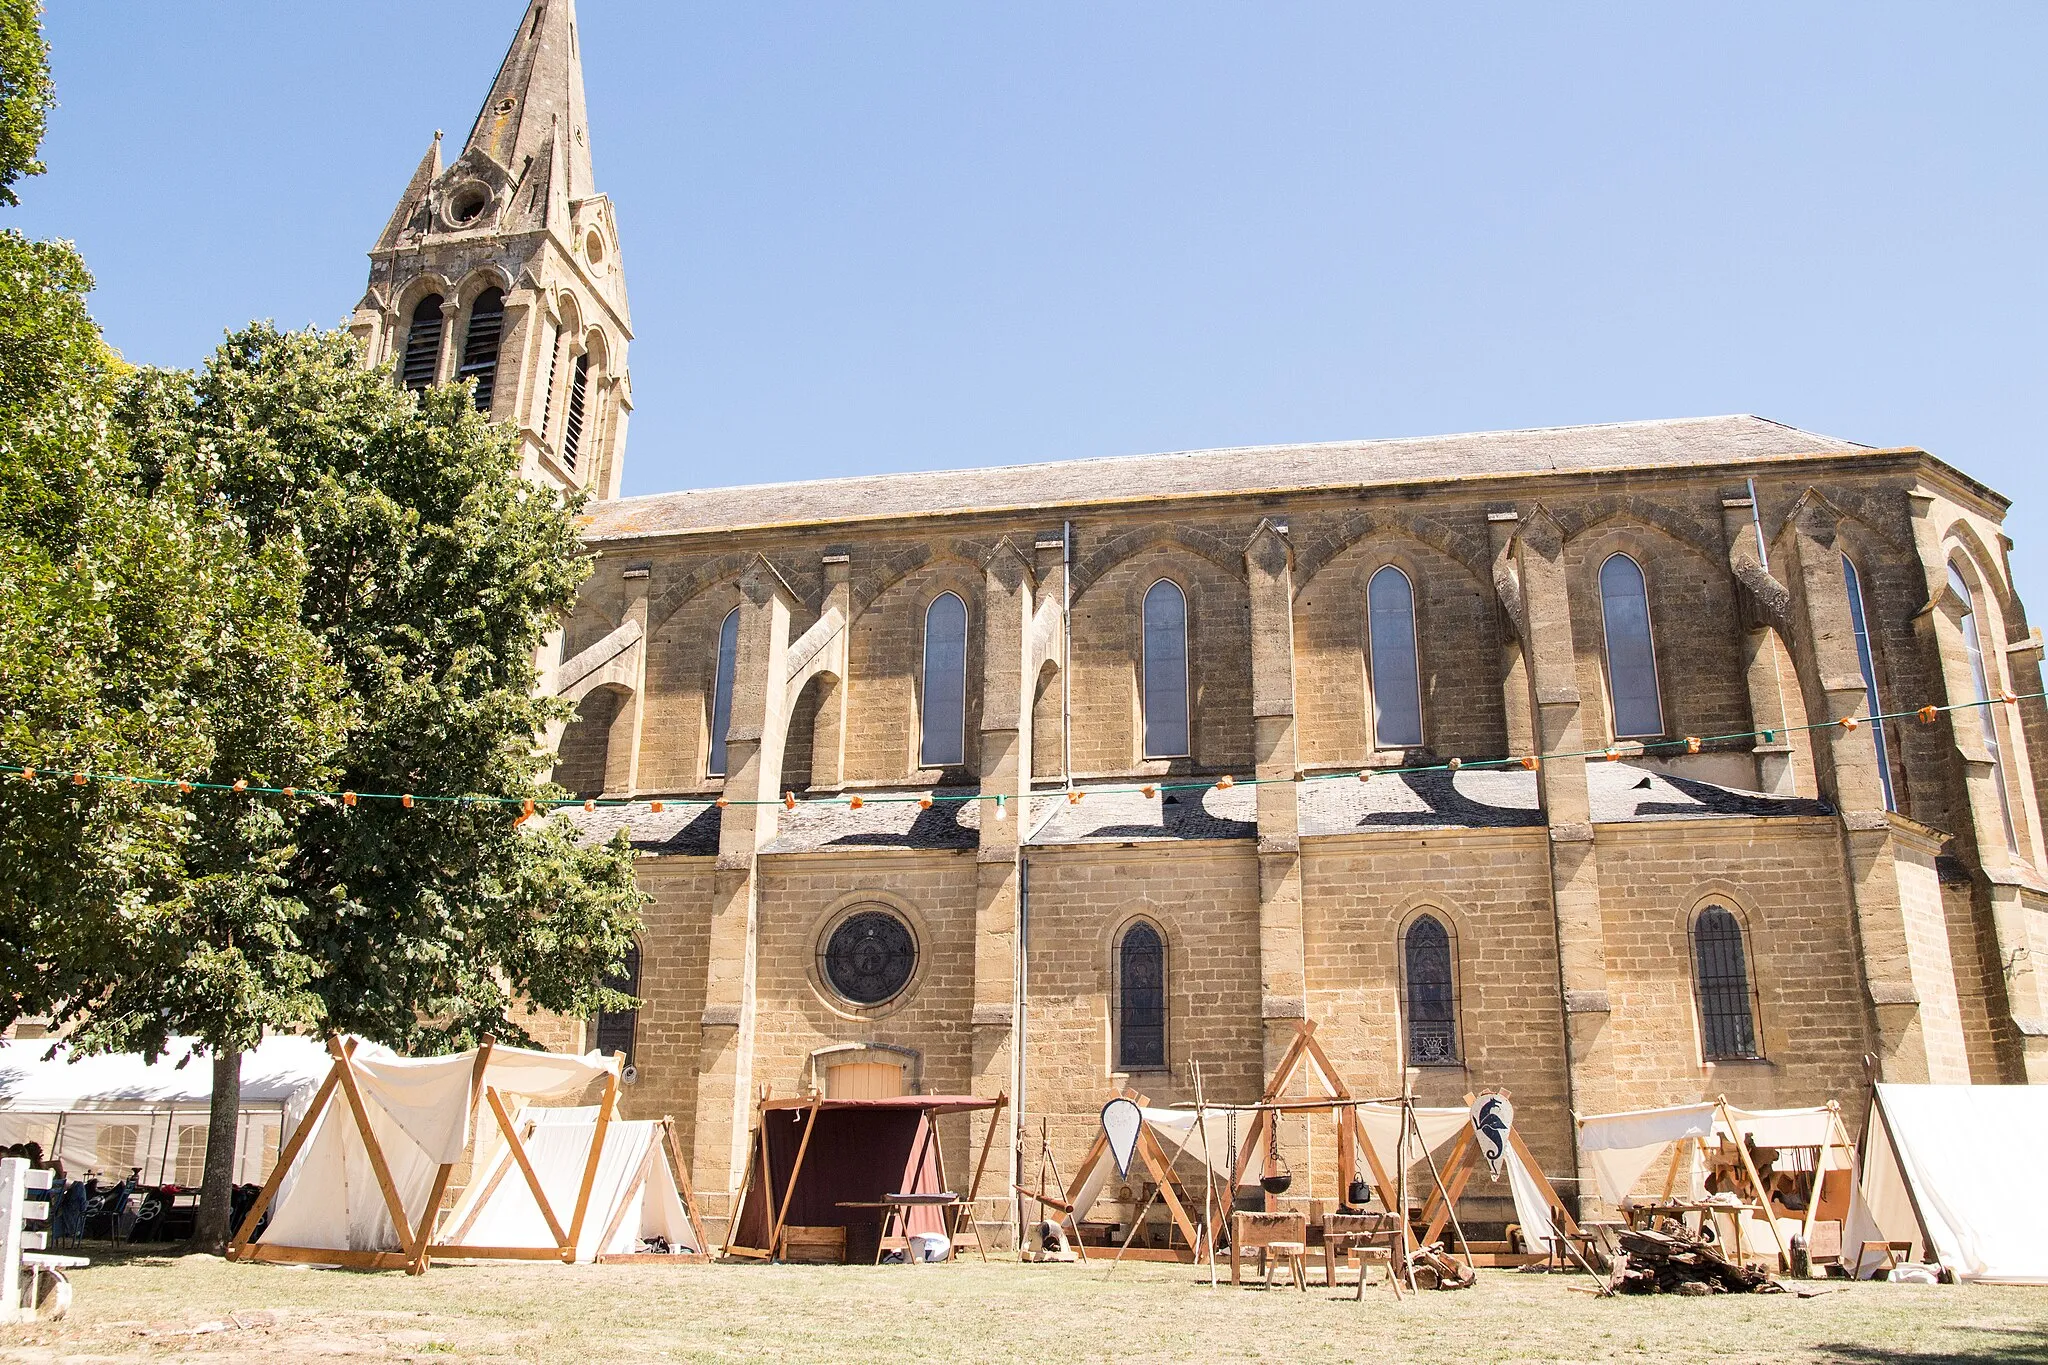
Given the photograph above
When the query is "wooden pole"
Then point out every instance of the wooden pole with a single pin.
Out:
(423, 1240)
(1073, 1217)
(1756, 1182)
(796, 1169)
(392, 1203)
(1401, 1179)
(684, 1185)
(1449, 1207)
(1208, 1174)
(518, 1149)
(285, 1159)
(606, 1109)
(974, 1188)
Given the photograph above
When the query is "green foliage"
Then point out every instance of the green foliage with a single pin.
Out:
(25, 93)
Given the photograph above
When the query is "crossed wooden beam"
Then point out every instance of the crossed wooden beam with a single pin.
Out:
(416, 1237)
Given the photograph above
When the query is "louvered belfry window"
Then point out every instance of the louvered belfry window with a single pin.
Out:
(1432, 989)
(480, 347)
(572, 424)
(1141, 1000)
(1727, 1026)
(615, 1028)
(423, 344)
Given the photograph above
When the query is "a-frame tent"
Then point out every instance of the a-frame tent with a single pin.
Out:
(362, 1179)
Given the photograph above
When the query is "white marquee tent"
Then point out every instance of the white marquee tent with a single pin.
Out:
(1949, 1168)
(362, 1181)
(111, 1113)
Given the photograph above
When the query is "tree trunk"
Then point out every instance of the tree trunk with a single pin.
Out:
(217, 1186)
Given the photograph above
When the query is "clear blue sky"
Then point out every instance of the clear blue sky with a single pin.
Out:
(906, 236)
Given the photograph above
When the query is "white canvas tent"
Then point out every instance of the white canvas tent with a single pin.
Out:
(112, 1113)
(1620, 1149)
(1379, 1126)
(1949, 1169)
(361, 1182)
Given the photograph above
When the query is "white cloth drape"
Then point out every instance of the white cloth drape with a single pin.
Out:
(558, 1150)
(1620, 1147)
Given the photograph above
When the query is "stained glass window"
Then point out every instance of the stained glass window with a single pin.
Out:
(944, 723)
(869, 957)
(1141, 1000)
(1727, 1028)
(1396, 686)
(721, 690)
(1432, 994)
(1166, 671)
(1857, 620)
(1631, 656)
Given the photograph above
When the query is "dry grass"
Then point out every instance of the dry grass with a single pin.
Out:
(200, 1309)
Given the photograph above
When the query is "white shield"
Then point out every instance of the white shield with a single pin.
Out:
(1492, 1117)
(1121, 1120)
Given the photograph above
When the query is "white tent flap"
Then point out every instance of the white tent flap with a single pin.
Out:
(1620, 1147)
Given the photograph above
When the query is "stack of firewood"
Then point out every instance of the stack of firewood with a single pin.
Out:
(1678, 1263)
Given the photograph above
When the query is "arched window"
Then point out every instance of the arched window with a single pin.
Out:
(1631, 657)
(1396, 685)
(1141, 999)
(1980, 680)
(721, 690)
(480, 346)
(1854, 584)
(615, 1028)
(1721, 970)
(423, 344)
(1429, 980)
(943, 727)
(1166, 671)
(572, 424)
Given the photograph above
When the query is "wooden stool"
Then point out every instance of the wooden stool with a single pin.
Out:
(1365, 1256)
(1889, 1254)
(1296, 1256)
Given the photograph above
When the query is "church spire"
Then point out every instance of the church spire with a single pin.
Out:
(538, 98)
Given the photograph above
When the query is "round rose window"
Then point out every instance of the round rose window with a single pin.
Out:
(868, 957)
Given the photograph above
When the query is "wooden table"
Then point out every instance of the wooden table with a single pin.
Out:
(896, 1208)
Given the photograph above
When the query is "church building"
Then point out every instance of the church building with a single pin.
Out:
(1589, 762)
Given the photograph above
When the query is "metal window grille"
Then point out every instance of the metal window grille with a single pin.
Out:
(423, 344)
(1141, 1000)
(572, 423)
(616, 1028)
(480, 346)
(1727, 1026)
(1432, 994)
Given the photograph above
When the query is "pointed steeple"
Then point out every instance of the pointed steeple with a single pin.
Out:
(423, 178)
(538, 98)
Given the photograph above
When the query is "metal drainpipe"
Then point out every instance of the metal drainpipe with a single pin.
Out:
(1019, 1073)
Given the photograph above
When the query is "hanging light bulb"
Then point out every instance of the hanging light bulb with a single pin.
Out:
(1001, 814)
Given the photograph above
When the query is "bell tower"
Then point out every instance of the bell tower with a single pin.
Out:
(503, 266)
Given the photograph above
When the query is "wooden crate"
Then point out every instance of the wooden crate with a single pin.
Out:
(814, 1245)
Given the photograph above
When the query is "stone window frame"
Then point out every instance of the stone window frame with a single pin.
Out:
(924, 678)
(819, 1064)
(1372, 705)
(1756, 949)
(1124, 924)
(844, 908)
(1187, 669)
(1885, 736)
(1607, 644)
(1424, 907)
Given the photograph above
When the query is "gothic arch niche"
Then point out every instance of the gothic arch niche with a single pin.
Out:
(885, 673)
(1048, 750)
(1107, 678)
(585, 753)
(682, 667)
(1456, 627)
(1980, 636)
(811, 752)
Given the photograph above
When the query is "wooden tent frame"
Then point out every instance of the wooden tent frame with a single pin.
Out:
(1159, 1164)
(418, 1242)
(931, 1146)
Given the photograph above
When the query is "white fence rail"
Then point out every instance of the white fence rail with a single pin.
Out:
(29, 1275)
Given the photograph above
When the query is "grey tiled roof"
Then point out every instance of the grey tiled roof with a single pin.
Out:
(1692, 441)
(1477, 798)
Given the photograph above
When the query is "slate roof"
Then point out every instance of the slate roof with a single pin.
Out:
(1678, 443)
(1478, 798)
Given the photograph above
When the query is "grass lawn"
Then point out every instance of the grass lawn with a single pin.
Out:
(199, 1309)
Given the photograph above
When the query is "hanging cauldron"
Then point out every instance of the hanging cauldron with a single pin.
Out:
(1278, 1174)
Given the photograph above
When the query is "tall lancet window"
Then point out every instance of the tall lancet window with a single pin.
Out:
(721, 690)
(1166, 671)
(1721, 972)
(1854, 584)
(480, 347)
(1141, 999)
(572, 424)
(1429, 980)
(1631, 657)
(1980, 680)
(944, 722)
(1396, 679)
(422, 362)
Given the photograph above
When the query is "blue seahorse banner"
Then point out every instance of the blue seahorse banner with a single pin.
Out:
(1492, 1117)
